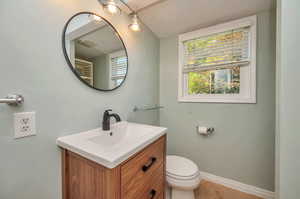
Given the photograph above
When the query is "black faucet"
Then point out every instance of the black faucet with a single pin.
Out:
(106, 119)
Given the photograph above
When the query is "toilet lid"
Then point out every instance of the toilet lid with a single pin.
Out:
(180, 166)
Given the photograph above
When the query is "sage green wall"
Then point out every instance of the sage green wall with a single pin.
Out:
(242, 147)
(288, 136)
(32, 63)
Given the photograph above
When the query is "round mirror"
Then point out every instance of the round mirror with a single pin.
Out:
(95, 51)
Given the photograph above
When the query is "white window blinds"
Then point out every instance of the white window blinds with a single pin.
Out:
(118, 67)
(221, 50)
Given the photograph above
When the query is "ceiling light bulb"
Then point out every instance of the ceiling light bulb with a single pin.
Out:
(112, 7)
(135, 26)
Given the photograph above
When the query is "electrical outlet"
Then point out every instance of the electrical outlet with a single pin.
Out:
(24, 124)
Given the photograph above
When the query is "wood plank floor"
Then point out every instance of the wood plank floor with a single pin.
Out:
(209, 190)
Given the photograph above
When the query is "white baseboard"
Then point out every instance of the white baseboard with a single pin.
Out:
(238, 186)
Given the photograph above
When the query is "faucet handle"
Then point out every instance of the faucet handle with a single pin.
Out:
(106, 113)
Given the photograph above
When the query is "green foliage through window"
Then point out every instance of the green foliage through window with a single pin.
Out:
(217, 81)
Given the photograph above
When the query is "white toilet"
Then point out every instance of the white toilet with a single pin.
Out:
(183, 177)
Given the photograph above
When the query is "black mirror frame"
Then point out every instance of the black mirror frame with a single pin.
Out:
(68, 59)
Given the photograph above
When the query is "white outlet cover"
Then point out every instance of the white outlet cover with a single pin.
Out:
(24, 124)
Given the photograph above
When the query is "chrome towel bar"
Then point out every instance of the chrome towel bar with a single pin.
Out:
(135, 109)
(13, 100)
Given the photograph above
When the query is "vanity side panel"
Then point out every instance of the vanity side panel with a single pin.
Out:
(84, 179)
(112, 183)
(163, 195)
(65, 173)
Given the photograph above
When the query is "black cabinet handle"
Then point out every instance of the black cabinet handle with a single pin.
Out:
(147, 166)
(152, 194)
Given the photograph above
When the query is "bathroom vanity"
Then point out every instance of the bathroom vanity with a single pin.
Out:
(128, 162)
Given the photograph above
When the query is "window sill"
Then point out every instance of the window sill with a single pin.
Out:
(223, 100)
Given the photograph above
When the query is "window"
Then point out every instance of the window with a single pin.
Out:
(118, 63)
(85, 70)
(218, 64)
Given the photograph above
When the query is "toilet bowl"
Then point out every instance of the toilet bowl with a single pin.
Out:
(183, 177)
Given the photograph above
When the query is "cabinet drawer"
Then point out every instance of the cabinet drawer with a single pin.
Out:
(133, 169)
(151, 187)
(144, 172)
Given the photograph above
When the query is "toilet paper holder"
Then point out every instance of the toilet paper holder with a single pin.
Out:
(205, 131)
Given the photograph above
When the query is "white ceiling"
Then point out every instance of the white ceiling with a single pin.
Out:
(140, 4)
(172, 17)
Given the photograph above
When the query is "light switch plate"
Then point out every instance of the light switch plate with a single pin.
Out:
(24, 124)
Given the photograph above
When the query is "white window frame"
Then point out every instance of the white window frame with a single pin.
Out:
(247, 73)
(119, 53)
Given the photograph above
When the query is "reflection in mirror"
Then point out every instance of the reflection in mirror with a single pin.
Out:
(95, 51)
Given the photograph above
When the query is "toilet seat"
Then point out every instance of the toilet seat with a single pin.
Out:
(196, 175)
(181, 167)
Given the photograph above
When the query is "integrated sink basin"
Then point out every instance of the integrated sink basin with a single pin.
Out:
(110, 148)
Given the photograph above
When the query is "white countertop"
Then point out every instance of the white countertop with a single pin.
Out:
(111, 148)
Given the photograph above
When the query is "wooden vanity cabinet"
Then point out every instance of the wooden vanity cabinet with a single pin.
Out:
(142, 176)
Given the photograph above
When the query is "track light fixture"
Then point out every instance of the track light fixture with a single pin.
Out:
(111, 7)
(135, 26)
